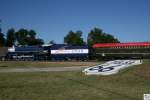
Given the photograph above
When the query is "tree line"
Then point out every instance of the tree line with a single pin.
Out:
(96, 35)
(28, 37)
(20, 37)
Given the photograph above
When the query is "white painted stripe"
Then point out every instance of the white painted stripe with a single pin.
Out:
(70, 51)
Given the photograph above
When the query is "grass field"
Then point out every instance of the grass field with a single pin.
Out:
(129, 84)
(37, 64)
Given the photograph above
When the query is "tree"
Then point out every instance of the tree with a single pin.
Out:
(39, 41)
(10, 37)
(21, 36)
(74, 38)
(52, 42)
(32, 34)
(2, 39)
(25, 37)
(98, 36)
(33, 41)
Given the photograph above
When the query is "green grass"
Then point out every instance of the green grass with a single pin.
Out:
(129, 84)
(38, 64)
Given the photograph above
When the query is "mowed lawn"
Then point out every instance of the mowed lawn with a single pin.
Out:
(129, 84)
(43, 64)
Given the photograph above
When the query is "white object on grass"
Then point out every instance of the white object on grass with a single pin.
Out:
(110, 67)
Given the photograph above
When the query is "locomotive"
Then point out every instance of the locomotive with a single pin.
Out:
(49, 52)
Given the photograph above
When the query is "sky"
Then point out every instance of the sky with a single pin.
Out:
(127, 20)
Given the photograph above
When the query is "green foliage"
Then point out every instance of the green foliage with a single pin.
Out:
(28, 37)
(25, 37)
(21, 36)
(52, 42)
(98, 36)
(32, 33)
(74, 38)
(39, 41)
(10, 37)
(2, 39)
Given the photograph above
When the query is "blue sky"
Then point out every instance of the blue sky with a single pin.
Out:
(128, 20)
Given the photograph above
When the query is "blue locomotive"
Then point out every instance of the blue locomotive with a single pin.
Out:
(48, 52)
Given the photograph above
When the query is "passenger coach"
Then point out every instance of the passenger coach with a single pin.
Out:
(122, 50)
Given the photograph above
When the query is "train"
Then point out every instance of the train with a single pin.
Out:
(97, 51)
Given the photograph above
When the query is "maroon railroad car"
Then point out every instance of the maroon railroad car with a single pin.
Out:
(122, 50)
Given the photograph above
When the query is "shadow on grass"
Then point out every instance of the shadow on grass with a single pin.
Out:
(4, 66)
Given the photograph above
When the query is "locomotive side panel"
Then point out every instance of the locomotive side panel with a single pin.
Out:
(69, 52)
